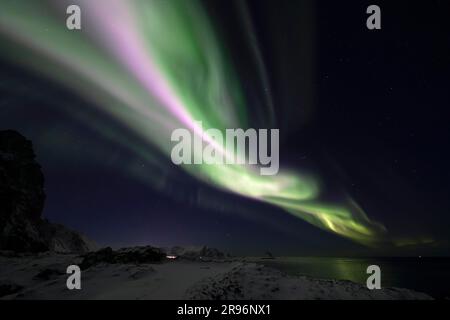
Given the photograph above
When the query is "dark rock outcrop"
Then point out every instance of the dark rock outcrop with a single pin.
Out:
(22, 194)
(22, 199)
(8, 287)
(48, 274)
(59, 238)
(136, 255)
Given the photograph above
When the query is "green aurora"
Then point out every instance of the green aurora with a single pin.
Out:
(155, 66)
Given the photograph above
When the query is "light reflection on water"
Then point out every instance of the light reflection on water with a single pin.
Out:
(429, 275)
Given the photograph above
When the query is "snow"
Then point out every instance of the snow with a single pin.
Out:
(44, 277)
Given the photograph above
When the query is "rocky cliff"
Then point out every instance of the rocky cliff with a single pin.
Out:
(22, 198)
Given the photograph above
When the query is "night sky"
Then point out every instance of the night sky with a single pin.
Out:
(364, 111)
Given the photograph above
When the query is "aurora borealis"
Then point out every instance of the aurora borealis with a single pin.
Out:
(155, 66)
(152, 63)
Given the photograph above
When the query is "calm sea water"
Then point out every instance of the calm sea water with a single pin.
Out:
(429, 275)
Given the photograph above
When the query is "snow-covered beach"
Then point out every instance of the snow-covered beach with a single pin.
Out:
(43, 276)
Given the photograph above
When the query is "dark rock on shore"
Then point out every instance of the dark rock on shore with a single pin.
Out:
(8, 287)
(136, 255)
(48, 274)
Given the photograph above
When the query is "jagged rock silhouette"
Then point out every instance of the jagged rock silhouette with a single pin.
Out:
(22, 199)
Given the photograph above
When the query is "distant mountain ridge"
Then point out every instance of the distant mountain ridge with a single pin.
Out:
(196, 252)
